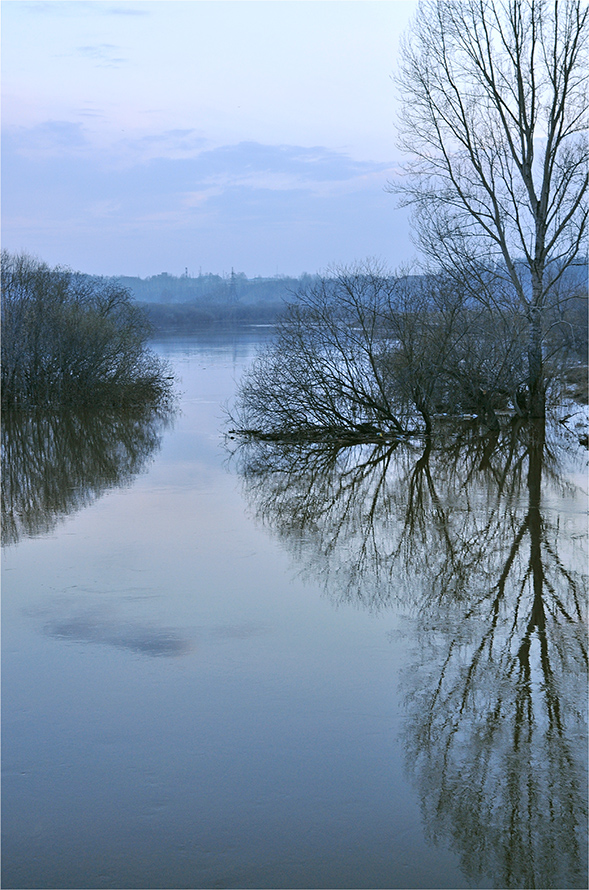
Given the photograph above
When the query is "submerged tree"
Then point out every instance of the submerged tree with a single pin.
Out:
(495, 119)
(70, 341)
(365, 354)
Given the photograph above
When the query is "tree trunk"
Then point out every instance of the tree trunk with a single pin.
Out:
(536, 388)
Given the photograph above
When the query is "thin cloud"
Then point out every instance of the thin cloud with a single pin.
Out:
(89, 111)
(52, 137)
(61, 7)
(297, 207)
(68, 8)
(104, 54)
(130, 10)
(172, 144)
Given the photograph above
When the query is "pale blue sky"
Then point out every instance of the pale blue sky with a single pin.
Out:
(143, 136)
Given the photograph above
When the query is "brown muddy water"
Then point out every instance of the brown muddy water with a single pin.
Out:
(269, 667)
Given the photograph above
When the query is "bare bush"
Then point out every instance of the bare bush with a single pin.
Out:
(68, 340)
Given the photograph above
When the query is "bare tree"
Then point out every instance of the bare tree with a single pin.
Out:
(364, 354)
(495, 118)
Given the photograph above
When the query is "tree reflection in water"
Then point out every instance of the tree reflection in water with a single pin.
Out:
(462, 537)
(55, 464)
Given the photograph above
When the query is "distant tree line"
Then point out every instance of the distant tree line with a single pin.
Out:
(177, 318)
(71, 340)
(181, 304)
(212, 289)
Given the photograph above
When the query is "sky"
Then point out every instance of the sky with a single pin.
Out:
(143, 136)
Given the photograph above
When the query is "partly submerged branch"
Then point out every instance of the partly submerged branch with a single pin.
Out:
(366, 356)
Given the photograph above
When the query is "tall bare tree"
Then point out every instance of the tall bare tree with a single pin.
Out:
(495, 120)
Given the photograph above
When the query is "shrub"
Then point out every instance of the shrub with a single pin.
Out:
(68, 340)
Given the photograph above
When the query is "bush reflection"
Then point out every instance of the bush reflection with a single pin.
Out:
(460, 534)
(55, 464)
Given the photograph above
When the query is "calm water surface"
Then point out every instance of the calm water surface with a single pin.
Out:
(289, 668)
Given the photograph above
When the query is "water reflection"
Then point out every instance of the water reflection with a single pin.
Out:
(54, 464)
(101, 625)
(477, 541)
(141, 639)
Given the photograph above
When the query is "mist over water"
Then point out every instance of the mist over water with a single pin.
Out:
(266, 666)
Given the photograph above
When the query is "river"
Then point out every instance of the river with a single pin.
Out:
(234, 667)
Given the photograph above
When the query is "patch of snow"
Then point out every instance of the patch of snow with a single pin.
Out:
(575, 417)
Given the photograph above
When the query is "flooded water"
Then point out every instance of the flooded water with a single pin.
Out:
(290, 667)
